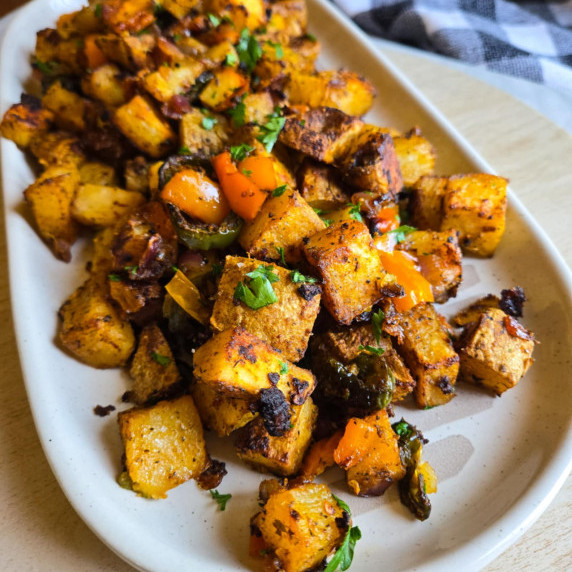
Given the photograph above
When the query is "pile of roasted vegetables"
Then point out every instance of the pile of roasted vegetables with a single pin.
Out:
(265, 264)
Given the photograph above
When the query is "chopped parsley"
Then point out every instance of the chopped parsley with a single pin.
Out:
(283, 368)
(45, 67)
(177, 37)
(279, 191)
(248, 50)
(247, 172)
(318, 211)
(161, 359)
(98, 11)
(298, 278)
(376, 322)
(277, 48)
(208, 123)
(239, 152)
(114, 277)
(220, 499)
(270, 130)
(214, 20)
(217, 270)
(343, 557)
(401, 231)
(184, 150)
(258, 292)
(238, 113)
(402, 428)
(132, 270)
(354, 212)
(311, 37)
(371, 350)
(231, 59)
(281, 253)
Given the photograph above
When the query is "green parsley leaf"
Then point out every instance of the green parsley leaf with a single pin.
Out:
(208, 123)
(239, 152)
(271, 129)
(311, 37)
(282, 254)
(215, 20)
(354, 212)
(114, 277)
(184, 150)
(220, 499)
(216, 269)
(247, 172)
(342, 504)
(157, 8)
(264, 272)
(402, 428)
(98, 11)
(327, 221)
(257, 294)
(376, 322)
(318, 211)
(283, 368)
(279, 191)
(132, 269)
(401, 231)
(177, 37)
(371, 350)
(45, 67)
(231, 59)
(238, 114)
(343, 557)
(161, 359)
(298, 278)
(277, 48)
(248, 50)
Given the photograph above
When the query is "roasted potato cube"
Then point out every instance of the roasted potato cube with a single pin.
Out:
(50, 198)
(323, 133)
(279, 455)
(286, 324)
(239, 364)
(416, 156)
(221, 91)
(350, 268)
(257, 107)
(142, 125)
(495, 351)
(26, 120)
(100, 205)
(475, 205)
(69, 108)
(426, 202)
(130, 52)
(82, 22)
(374, 166)
(142, 302)
(249, 14)
(136, 175)
(302, 525)
(287, 19)
(219, 54)
(179, 8)
(197, 139)
(128, 15)
(320, 186)
(344, 90)
(282, 222)
(106, 85)
(97, 173)
(169, 81)
(164, 445)
(220, 412)
(423, 340)
(439, 258)
(153, 369)
(369, 452)
(59, 56)
(92, 329)
(57, 149)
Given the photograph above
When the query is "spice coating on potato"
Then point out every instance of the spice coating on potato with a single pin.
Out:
(26, 120)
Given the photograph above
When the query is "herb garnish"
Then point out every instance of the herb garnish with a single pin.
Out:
(271, 129)
(239, 152)
(231, 59)
(283, 368)
(343, 557)
(371, 350)
(161, 359)
(376, 322)
(258, 292)
(184, 150)
(114, 277)
(298, 278)
(238, 113)
(214, 20)
(401, 231)
(281, 253)
(45, 67)
(220, 499)
(279, 191)
(277, 48)
(354, 212)
(208, 123)
(248, 49)
(98, 11)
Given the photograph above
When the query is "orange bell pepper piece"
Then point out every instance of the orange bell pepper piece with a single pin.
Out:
(354, 444)
(243, 195)
(260, 170)
(417, 288)
(95, 57)
(387, 219)
(196, 195)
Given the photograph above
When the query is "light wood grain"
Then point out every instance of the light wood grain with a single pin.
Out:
(40, 531)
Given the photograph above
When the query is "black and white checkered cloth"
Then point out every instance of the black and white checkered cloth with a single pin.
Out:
(532, 40)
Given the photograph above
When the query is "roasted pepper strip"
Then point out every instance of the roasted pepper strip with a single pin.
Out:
(187, 295)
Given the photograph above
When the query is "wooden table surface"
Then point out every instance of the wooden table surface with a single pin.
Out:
(40, 531)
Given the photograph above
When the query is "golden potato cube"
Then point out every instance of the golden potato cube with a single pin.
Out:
(424, 343)
(100, 205)
(496, 351)
(475, 205)
(164, 445)
(26, 120)
(142, 125)
(323, 133)
(282, 222)
(179, 8)
(257, 107)
(82, 22)
(416, 156)
(62, 55)
(350, 268)
(197, 139)
(221, 91)
(220, 412)
(249, 14)
(296, 57)
(98, 173)
(439, 258)
(279, 455)
(129, 15)
(50, 198)
(287, 19)
(153, 370)
(286, 324)
(130, 52)
(320, 185)
(136, 175)
(302, 525)
(426, 202)
(106, 85)
(92, 329)
(68, 107)
(57, 149)
(222, 53)
(169, 81)
(241, 365)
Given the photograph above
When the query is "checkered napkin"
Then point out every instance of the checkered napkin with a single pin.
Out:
(532, 40)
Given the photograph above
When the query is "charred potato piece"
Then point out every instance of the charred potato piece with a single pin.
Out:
(70, 109)
(92, 329)
(257, 107)
(164, 446)
(286, 324)
(197, 139)
(416, 156)
(97, 173)
(439, 258)
(50, 200)
(249, 14)
(287, 19)
(323, 133)
(350, 268)
(222, 90)
(136, 175)
(179, 8)
(168, 81)
(495, 351)
(26, 120)
(130, 52)
(142, 302)
(320, 186)
(153, 370)
(57, 149)
(426, 202)
(282, 223)
(130, 16)
(105, 84)
(280, 455)
(301, 526)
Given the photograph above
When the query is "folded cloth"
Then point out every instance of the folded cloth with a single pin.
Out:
(532, 40)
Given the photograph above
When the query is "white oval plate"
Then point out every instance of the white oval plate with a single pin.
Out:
(499, 461)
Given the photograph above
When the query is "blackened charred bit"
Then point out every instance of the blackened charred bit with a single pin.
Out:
(275, 411)
(102, 411)
(444, 384)
(274, 378)
(309, 291)
(127, 397)
(31, 102)
(297, 398)
(212, 476)
(343, 522)
(294, 514)
(512, 301)
(306, 240)
(392, 290)
(247, 353)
